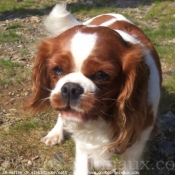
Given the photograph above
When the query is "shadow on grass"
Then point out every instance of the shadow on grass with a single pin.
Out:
(22, 12)
(167, 102)
(158, 161)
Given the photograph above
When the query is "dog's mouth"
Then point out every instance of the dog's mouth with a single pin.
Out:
(71, 114)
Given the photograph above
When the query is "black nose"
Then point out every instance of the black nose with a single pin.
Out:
(71, 91)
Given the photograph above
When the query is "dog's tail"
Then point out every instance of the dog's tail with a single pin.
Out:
(59, 20)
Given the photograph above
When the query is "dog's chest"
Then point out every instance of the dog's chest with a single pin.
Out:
(91, 135)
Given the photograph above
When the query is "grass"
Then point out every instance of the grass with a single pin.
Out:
(163, 37)
(7, 63)
(24, 52)
(8, 71)
(7, 5)
(22, 131)
(23, 137)
(164, 31)
(163, 11)
(88, 10)
(26, 6)
(11, 72)
(167, 52)
(9, 36)
(14, 26)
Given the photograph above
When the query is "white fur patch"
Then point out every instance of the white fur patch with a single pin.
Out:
(82, 45)
(107, 23)
(131, 158)
(59, 20)
(153, 83)
(90, 20)
(118, 17)
(127, 37)
(92, 138)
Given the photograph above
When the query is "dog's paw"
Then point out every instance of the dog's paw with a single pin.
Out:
(52, 139)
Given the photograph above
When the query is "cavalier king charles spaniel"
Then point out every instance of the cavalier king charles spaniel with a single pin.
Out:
(103, 76)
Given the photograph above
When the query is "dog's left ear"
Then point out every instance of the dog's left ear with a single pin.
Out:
(41, 82)
(131, 102)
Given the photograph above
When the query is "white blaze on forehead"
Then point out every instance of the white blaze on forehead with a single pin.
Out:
(82, 45)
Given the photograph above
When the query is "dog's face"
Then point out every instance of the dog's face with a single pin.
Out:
(90, 72)
(85, 72)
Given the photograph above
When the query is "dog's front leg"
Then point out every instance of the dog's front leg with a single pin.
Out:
(81, 160)
(56, 134)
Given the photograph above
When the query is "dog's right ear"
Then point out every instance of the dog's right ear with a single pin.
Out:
(41, 82)
(131, 102)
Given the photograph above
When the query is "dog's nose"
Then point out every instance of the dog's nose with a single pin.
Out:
(71, 91)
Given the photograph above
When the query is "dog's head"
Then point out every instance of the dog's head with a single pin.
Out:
(90, 72)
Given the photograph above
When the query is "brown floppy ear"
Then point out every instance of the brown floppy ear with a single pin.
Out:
(131, 102)
(41, 83)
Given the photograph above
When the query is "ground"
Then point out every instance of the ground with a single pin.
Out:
(20, 133)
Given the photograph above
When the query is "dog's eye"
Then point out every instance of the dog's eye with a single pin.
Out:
(58, 70)
(100, 76)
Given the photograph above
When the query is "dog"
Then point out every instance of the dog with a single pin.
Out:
(103, 76)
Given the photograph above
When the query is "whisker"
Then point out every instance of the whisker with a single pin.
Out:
(50, 107)
(110, 99)
(47, 89)
(108, 92)
(108, 61)
(95, 99)
(44, 99)
(99, 109)
(106, 113)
